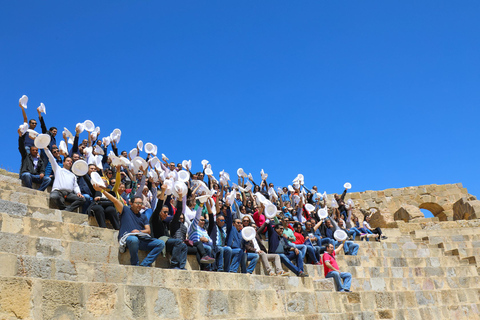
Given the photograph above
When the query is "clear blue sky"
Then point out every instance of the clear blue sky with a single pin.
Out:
(378, 93)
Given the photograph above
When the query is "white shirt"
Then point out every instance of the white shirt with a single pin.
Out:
(65, 180)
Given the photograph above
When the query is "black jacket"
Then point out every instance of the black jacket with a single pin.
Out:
(27, 159)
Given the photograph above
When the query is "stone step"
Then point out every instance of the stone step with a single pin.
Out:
(19, 209)
(35, 298)
(58, 230)
(84, 233)
(413, 284)
(61, 299)
(460, 231)
(466, 270)
(367, 261)
(51, 268)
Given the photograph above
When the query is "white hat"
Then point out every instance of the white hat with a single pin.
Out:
(248, 186)
(208, 172)
(23, 128)
(140, 145)
(42, 141)
(149, 147)
(154, 152)
(187, 164)
(183, 175)
(153, 162)
(63, 147)
(23, 101)
(115, 160)
(106, 141)
(80, 168)
(250, 176)
(158, 166)
(80, 127)
(98, 161)
(322, 213)
(153, 174)
(263, 175)
(99, 150)
(290, 188)
(350, 203)
(97, 130)
(309, 207)
(96, 179)
(324, 195)
(334, 203)
(117, 132)
(260, 198)
(164, 157)
(272, 193)
(340, 235)
(270, 211)
(248, 233)
(240, 172)
(133, 153)
(203, 198)
(231, 197)
(32, 133)
(41, 108)
(204, 163)
(68, 134)
(170, 187)
(181, 187)
(89, 126)
(139, 162)
(94, 136)
(347, 185)
(87, 150)
(125, 161)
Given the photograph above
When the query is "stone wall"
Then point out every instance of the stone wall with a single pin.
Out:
(405, 203)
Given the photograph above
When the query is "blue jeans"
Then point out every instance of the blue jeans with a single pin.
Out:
(338, 277)
(253, 258)
(312, 253)
(155, 246)
(350, 248)
(325, 241)
(354, 232)
(237, 257)
(178, 250)
(286, 261)
(88, 201)
(28, 178)
(224, 257)
(302, 248)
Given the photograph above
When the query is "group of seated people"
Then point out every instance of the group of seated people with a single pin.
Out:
(205, 218)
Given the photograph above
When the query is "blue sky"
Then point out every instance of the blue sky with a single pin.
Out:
(378, 93)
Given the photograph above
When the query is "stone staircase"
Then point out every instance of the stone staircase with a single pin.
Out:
(59, 265)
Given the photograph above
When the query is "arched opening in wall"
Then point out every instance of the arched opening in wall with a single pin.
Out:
(427, 213)
(435, 209)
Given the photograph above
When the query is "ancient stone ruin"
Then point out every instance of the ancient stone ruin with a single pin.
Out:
(59, 265)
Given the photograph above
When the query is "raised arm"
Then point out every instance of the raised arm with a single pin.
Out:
(25, 119)
(42, 122)
(21, 144)
(117, 203)
(339, 248)
(52, 160)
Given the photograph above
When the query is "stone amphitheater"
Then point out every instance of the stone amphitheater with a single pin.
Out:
(59, 265)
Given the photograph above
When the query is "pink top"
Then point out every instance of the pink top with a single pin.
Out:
(333, 262)
(259, 219)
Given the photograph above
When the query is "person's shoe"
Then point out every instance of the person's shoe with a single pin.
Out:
(383, 237)
(363, 235)
(282, 273)
(207, 259)
(271, 273)
(302, 274)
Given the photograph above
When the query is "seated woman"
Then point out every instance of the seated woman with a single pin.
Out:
(377, 231)
(199, 242)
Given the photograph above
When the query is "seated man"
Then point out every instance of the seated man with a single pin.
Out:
(236, 242)
(65, 186)
(202, 243)
(218, 236)
(350, 248)
(256, 246)
(135, 230)
(165, 229)
(331, 270)
(287, 251)
(33, 167)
